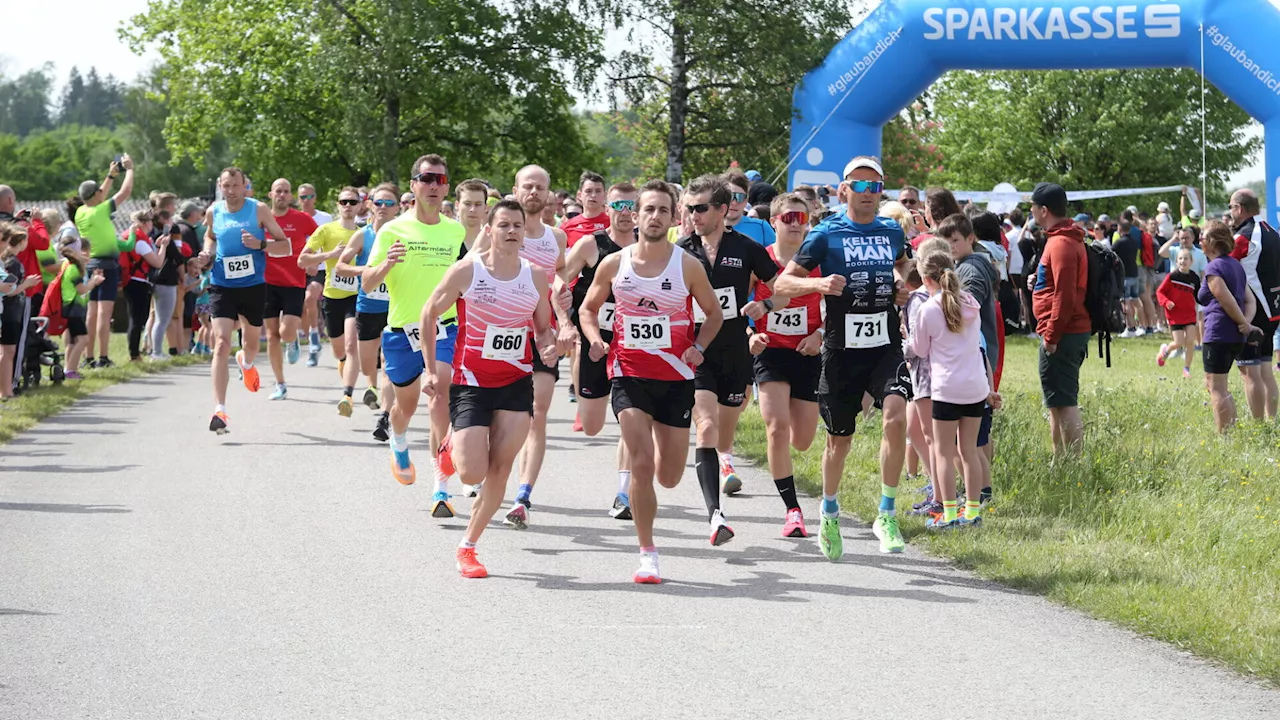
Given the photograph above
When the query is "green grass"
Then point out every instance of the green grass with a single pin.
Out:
(1162, 526)
(31, 407)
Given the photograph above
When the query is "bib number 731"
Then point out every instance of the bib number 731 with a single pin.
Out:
(866, 331)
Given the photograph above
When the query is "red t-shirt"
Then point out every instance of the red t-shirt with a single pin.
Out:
(284, 271)
(579, 227)
(1148, 250)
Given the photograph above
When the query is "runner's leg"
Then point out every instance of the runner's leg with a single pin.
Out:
(497, 446)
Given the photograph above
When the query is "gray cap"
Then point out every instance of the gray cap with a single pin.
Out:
(88, 189)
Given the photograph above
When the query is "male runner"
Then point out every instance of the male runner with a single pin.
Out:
(500, 297)
(733, 262)
(325, 246)
(236, 246)
(592, 376)
(863, 260)
(652, 355)
(594, 218)
(411, 255)
(315, 283)
(371, 307)
(286, 284)
(736, 218)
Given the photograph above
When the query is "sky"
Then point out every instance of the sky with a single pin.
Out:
(86, 36)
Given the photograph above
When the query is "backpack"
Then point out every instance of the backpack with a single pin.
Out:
(1103, 293)
(51, 308)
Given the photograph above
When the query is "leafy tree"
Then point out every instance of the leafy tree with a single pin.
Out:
(24, 101)
(91, 100)
(144, 140)
(908, 149)
(50, 164)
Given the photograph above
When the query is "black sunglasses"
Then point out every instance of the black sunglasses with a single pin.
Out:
(431, 178)
(348, 202)
(700, 208)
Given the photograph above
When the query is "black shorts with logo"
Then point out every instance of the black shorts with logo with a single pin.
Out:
(541, 367)
(668, 402)
(593, 376)
(239, 302)
(369, 326)
(284, 301)
(847, 374)
(471, 406)
(801, 372)
(336, 312)
(726, 371)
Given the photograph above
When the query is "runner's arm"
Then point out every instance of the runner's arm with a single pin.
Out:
(210, 240)
(597, 294)
(580, 257)
(542, 332)
(349, 253)
(275, 239)
(455, 281)
(703, 294)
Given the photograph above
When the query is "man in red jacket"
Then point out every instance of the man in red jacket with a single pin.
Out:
(37, 234)
(1058, 298)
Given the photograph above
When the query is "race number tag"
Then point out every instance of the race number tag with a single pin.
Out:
(413, 332)
(647, 333)
(789, 321)
(866, 331)
(728, 300)
(605, 316)
(237, 266)
(504, 343)
(341, 282)
(380, 294)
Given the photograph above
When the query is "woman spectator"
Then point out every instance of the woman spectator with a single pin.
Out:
(13, 284)
(1228, 307)
(139, 262)
(76, 286)
(939, 204)
(93, 219)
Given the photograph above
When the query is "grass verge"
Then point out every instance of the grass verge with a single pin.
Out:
(1162, 526)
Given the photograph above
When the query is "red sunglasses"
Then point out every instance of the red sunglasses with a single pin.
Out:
(431, 178)
(795, 217)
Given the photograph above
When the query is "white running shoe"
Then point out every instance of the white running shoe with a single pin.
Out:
(648, 573)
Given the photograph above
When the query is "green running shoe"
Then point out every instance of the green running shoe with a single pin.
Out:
(886, 528)
(829, 540)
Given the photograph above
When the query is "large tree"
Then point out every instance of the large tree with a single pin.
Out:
(24, 101)
(351, 91)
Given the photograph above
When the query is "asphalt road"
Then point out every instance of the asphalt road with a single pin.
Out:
(152, 570)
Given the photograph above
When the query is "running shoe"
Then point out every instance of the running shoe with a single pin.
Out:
(249, 374)
(648, 573)
(794, 526)
(926, 502)
(829, 540)
(313, 356)
(1128, 333)
(1162, 354)
(517, 517)
(293, 351)
(928, 508)
(91, 363)
(1186, 373)
(73, 375)
(984, 496)
(281, 392)
(444, 456)
(370, 398)
(382, 432)
(729, 481)
(965, 522)
(104, 363)
(621, 507)
(886, 528)
(1141, 332)
(577, 423)
(344, 406)
(469, 566)
(573, 394)
(402, 468)
(721, 533)
(219, 423)
(440, 507)
(937, 523)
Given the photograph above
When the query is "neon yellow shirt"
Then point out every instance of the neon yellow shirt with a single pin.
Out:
(430, 250)
(94, 224)
(325, 239)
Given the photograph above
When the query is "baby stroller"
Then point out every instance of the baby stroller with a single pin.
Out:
(40, 352)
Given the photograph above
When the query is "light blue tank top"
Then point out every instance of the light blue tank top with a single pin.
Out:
(235, 265)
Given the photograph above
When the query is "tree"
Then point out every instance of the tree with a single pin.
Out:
(24, 101)
(91, 100)
(348, 91)
(724, 92)
(50, 164)
(909, 150)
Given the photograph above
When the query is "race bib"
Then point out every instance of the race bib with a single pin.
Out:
(647, 333)
(340, 282)
(728, 300)
(866, 331)
(413, 332)
(380, 294)
(237, 266)
(605, 316)
(789, 321)
(504, 343)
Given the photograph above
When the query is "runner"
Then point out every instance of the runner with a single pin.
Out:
(592, 377)
(733, 262)
(736, 218)
(286, 284)
(594, 217)
(315, 283)
(371, 307)
(652, 354)
(411, 254)
(473, 212)
(235, 248)
(786, 346)
(500, 298)
(325, 246)
(862, 349)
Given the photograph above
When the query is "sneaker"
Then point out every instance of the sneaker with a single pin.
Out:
(577, 423)
(249, 374)
(344, 406)
(402, 468)
(648, 573)
(281, 392)
(621, 507)
(313, 356)
(440, 507)
(73, 375)
(926, 502)
(886, 528)
(293, 351)
(382, 432)
(90, 363)
(721, 533)
(965, 522)
(1199, 347)
(1186, 373)
(104, 363)
(1128, 333)
(829, 540)
(370, 398)
(444, 456)
(1140, 332)
(794, 525)
(984, 496)
(937, 523)
(928, 508)
(517, 517)
(1162, 354)
(729, 481)
(573, 394)
(471, 490)
(219, 423)
(469, 566)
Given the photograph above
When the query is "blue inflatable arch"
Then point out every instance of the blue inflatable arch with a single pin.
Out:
(902, 47)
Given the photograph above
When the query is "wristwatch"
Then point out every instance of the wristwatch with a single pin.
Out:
(699, 348)
(768, 304)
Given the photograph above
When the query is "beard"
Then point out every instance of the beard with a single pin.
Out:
(533, 205)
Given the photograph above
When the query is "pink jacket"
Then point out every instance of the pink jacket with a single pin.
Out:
(955, 362)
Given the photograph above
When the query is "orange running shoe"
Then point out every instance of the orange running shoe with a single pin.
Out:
(219, 423)
(402, 468)
(444, 456)
(577, 423)
(251, 380)
(469, 566)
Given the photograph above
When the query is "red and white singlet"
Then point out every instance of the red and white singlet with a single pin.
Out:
(652, 321)
(799, 319)
(495, 328)
(543, 252)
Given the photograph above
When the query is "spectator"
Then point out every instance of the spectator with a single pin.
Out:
(939, 204)
(1126, 247)
(1164, 220)
(761, 193)
(909, 196)
(1017, 280)
(1257, 247)
(1228, 305)
(1188, 218)
(93, 219)
(173, 252)
(14, 283)
(76, 286)
(48, 258)
(137, 264)
(190, 216)
(1063, 319)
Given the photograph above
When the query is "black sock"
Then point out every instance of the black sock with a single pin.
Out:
(348, 389)
(787, 489)
(707, 464)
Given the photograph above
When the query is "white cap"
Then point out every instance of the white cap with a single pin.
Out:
(1163, 207)
(1194, 214)
(1133, 209)
(863, 162)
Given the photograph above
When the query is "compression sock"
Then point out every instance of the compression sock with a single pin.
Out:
(624, 482)
(948, 511)
(523, 493)
(787, 490)
(704, 463)
(348, 389)
(887, 497)
(314, 339)
(830, 508)
(972, 510)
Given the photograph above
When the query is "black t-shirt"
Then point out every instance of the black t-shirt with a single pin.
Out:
(168, 273)
(12, 304)
(605, 246)
(1127, 248)
(737, 259)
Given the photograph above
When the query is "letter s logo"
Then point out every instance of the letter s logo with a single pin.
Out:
(1163, 21)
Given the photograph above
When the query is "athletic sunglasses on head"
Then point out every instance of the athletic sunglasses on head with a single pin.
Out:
(866, 186)
(384, 203)
(795, 217)
(307, 197)
(738, 196)
(431, 178)
(622, 205)
(349, 202)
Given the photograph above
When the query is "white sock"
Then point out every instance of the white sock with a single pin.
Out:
(624, 482)
(219, 408)
(400, 443)
(726, 458)
(464, 545)
(442, 486)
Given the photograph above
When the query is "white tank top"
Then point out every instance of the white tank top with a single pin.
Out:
(543, 251)
(652, 321)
